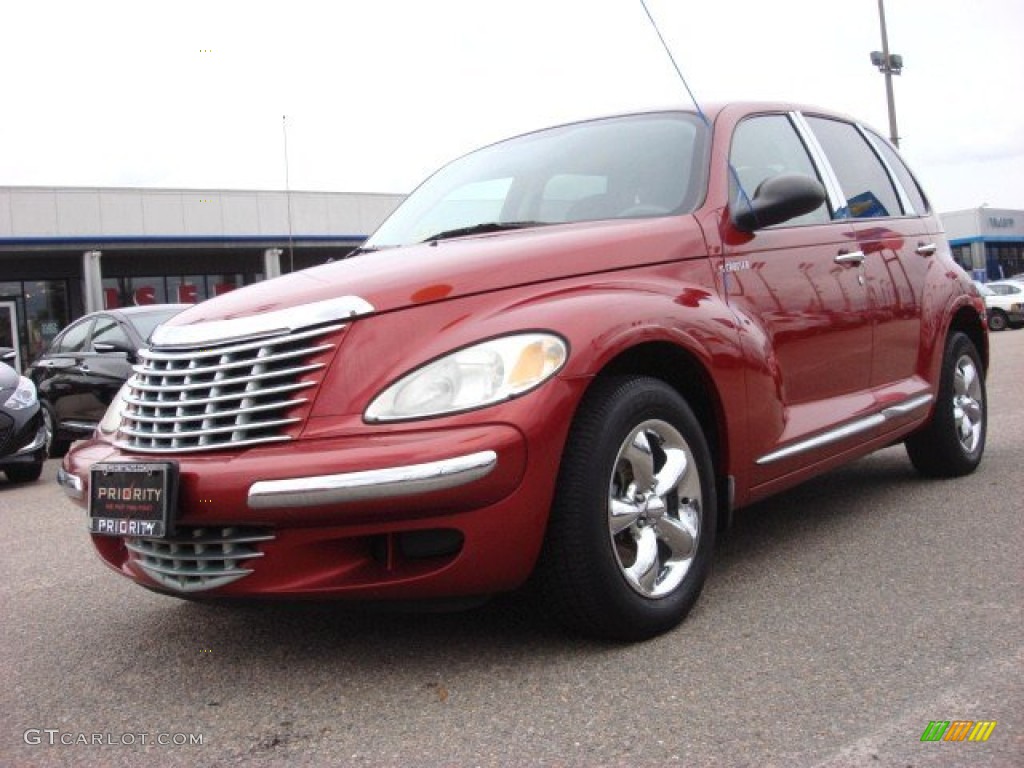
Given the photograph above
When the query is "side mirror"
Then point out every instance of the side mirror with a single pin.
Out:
(778, 199)
(105, 347)
(7, 354)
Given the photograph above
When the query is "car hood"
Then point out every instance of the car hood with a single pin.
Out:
(395, 278)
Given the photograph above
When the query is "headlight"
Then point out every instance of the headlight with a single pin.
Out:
(474, 377)
(111, 420)
(24, 396)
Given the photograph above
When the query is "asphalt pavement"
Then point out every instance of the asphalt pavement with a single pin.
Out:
(840, 620)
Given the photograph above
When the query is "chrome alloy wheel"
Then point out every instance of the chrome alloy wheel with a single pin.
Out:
(968, 404)
(654, 511)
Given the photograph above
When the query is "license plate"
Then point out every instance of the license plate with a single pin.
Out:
(133, 499)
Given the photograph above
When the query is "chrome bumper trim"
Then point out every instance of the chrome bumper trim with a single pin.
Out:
(37, 442)
(72, 484)
(372, 484)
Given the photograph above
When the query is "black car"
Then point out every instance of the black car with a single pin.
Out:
(22, 434)
(85, 366)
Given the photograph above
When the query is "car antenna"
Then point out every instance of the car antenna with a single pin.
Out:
(679, 72)
(288, 195)
(675, 65)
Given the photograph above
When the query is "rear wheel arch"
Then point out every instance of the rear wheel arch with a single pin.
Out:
(967, 322)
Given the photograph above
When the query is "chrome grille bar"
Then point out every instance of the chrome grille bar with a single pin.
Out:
(205, 395)
(199, 558)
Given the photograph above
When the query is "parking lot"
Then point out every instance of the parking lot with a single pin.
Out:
(840, 619)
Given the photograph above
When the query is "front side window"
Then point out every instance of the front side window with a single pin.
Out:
(629, 167)
(1005, 290)
(109, 331)
(75, 338)
(866, 186)
(763, 147)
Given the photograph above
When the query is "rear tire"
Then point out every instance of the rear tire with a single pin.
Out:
(632, 526)
(998, 321)
(951, 444)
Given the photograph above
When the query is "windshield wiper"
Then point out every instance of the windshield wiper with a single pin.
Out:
(482, 228)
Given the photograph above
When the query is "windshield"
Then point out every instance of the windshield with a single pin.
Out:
(625, 167)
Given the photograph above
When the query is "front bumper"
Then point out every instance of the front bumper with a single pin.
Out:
(401, 515)
(25, 445)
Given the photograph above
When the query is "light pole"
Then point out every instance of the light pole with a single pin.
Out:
(888, 64)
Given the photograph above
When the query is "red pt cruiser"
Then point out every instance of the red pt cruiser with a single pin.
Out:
(566, 358)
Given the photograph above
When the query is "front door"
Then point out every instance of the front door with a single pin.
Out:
(803, 305)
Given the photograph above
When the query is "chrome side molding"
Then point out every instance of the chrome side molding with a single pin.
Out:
(848, 430)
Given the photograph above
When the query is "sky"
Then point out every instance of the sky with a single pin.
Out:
(373, 95)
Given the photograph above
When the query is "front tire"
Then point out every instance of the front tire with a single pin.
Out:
(632, 526)
(24, 474)
(951, 444)
(998, 321)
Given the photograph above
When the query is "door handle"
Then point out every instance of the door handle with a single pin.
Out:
(926, 249)
(850, 257)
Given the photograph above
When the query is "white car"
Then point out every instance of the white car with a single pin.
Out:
(1004, 300)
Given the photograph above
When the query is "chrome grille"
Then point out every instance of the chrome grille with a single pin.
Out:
(201, 397)
(198, 558)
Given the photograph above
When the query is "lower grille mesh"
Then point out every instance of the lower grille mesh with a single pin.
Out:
(199, 558)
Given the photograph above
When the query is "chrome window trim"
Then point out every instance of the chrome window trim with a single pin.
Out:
(280, 321)
(905, 202)
(833, 188)
(372, 484)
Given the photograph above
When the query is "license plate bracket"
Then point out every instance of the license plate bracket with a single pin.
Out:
(133, 499)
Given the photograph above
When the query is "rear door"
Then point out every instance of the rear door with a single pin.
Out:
(893, 234)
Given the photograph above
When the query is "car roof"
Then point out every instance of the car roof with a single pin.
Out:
(145, 309)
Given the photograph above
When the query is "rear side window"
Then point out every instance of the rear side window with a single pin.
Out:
(866, 186)
(765, 146)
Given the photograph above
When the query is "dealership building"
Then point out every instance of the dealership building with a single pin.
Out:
(67, 251)
(987, 242)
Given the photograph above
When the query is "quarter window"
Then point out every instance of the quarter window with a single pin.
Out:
(867, 188)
